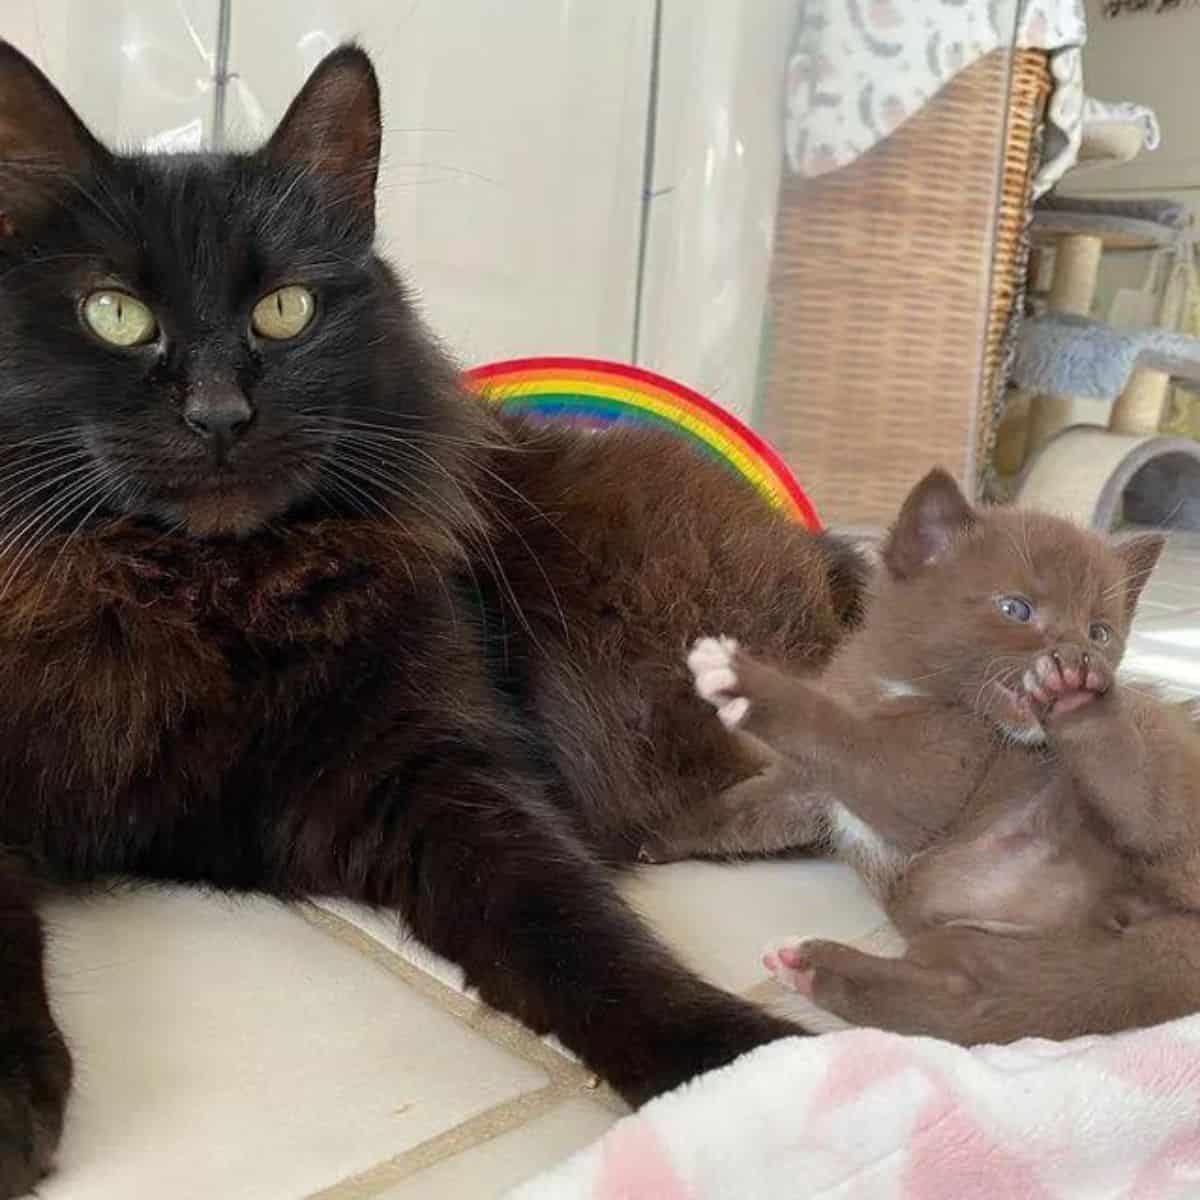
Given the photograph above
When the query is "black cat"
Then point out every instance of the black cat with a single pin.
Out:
(283, 609)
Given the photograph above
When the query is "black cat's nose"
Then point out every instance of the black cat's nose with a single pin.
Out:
(221, 418)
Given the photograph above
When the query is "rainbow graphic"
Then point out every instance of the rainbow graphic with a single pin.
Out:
(595, 392)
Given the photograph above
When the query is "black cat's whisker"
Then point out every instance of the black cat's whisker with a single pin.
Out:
(28, 488)
(483, 545)
(392, 432)
(449, 168)
(32, 533)
(51, 504)
(70, 478)
(348, 483)
(115, 485)
(36, 465)
(56, 437)
(516, 532)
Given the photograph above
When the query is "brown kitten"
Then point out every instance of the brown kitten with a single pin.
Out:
(1031, 826)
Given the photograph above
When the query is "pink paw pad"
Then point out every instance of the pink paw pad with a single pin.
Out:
(788, 963)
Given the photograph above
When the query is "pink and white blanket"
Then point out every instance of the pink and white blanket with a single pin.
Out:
(863, 1115)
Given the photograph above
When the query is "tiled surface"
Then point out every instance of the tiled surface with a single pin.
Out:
(509, 1159)
(233, 1049)
(720, 917)
(244, 1050)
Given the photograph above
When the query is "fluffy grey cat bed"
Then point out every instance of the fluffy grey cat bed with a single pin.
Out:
(1075, 356)
(1092, 474)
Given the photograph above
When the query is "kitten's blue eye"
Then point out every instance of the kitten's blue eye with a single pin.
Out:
(1099, 633)
(1015, 608)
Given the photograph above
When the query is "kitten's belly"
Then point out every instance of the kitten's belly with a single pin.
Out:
(1021, 874)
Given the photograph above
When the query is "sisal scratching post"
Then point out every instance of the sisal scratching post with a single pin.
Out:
(1080, 232)
(1076, 269)
(1012, 438)
(1140, 408)
(1072, 290)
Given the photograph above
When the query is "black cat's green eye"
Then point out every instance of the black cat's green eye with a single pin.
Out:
(119, 319)
(1015, 608)
(284, 313)
(1099, 633)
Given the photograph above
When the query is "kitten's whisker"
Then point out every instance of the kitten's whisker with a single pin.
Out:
(1006, 676)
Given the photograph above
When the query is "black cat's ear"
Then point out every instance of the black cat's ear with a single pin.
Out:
(1139, 556)
(43, 144)
(933, 515)
(332, 128)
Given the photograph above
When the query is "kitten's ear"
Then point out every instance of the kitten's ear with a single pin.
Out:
(1139, 556)
(42, 142)
(332, 128)
(934, 514)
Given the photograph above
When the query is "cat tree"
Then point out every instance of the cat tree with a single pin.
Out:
(1126, 470)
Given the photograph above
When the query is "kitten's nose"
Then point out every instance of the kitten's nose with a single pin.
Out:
(218, 417)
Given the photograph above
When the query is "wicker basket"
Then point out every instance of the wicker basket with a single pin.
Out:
(894, 284)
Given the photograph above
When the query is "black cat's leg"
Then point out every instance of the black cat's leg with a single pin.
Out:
(485, 873)
(35, 1065)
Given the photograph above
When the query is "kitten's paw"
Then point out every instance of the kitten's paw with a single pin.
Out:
(787, 960)
(1067, 680)
(712, 665)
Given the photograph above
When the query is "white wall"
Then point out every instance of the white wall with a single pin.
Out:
(715, 190)
(514, 152)
(136, 70)
(1153, 60)
(513, 146)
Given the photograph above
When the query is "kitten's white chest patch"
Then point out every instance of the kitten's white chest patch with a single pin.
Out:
(876, 859)
(899, 689)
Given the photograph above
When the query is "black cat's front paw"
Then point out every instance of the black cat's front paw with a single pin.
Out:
(35, 1077)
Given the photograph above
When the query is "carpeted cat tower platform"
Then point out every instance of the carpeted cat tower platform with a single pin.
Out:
(1128, 471)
